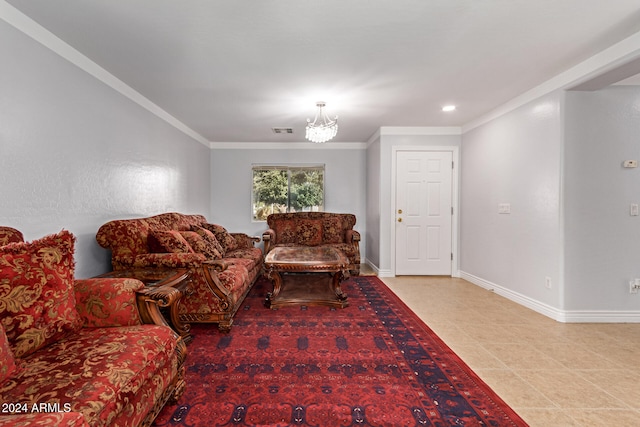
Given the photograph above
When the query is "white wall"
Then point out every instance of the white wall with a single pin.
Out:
(602, 239)
(345, 182)
(74, 153)
(515, 159)
(371, 254)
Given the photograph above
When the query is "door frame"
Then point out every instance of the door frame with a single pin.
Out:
(455, 154)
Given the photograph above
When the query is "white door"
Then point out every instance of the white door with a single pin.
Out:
(423, 212)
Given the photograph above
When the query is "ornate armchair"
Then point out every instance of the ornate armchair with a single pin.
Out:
(314, 229)
(84, 348)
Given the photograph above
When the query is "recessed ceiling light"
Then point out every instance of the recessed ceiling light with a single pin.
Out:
(448, 108)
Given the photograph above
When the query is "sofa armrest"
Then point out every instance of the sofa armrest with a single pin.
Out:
(269, 239)
(104, 302)
(168, 260)
(244, 240)
(210, 270)
(218, 265)
(352, 236)
(150, 300)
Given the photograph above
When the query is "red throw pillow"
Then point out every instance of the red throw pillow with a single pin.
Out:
(285, 231)
(227, 241)
(10, 235)
(37, 299)
(200, 245)
(7, 362)
(332, 230)
(309, 232)
(210, 238)
(167, 241)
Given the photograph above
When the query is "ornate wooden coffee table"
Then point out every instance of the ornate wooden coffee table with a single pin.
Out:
(306, 275)
(164, 287)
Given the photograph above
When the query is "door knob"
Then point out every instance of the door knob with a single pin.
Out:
(399, 211)
(399, 219)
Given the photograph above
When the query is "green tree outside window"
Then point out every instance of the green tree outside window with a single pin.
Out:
(286, 189)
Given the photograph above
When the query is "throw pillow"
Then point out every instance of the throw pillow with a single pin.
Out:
(210, 238)
(285, 231)
(7, 362)
(309, 232)
(167, 241)
(332, 230)
(10, 235)
(200, 245)
(227, 241)
(37, 299)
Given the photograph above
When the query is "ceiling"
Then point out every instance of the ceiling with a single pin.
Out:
(232, 70)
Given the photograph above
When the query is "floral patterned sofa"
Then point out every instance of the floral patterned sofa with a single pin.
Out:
(313, 229)
(224, 266)
(76, 352)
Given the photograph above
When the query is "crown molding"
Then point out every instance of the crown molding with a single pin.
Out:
(420, 130)
(287, 146)
(608, 59)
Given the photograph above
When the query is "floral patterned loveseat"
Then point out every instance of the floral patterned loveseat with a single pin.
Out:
(313, 229)
(76, 352)
(224, 266)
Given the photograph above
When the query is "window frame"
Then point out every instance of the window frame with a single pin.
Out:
(289, 168)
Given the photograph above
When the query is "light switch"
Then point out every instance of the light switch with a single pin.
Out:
(504, 208)
(633, 209)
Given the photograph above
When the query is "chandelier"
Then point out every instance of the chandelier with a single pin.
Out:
(322, 129)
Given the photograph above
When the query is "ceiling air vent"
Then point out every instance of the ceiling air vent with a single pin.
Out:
(282, 130)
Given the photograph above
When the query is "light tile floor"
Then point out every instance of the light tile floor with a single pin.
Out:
(550, 373)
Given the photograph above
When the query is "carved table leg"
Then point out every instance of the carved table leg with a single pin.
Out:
(224, 326)
(336, 288)
(277, 286)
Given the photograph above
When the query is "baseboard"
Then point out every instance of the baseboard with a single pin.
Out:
(378, 271)
(564, 316)
(516, 297)
(600, 316)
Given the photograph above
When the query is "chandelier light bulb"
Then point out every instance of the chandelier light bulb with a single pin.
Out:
(322, 128)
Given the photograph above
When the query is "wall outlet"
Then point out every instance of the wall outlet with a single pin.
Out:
(547, 282)
(504, 208)
(630, 164)
(634, 285)
(633, 209)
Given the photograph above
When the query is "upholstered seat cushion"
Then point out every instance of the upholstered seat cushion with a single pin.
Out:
(106, 374)
(253, 255)
(42, 419)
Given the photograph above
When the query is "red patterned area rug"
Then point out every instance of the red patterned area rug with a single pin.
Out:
(374, 363)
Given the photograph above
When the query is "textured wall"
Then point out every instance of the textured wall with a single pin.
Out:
(602, 239)
(374, 182)
(515, 159)
(74, 153)
(345, 186)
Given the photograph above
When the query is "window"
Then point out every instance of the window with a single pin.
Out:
(286, 189)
